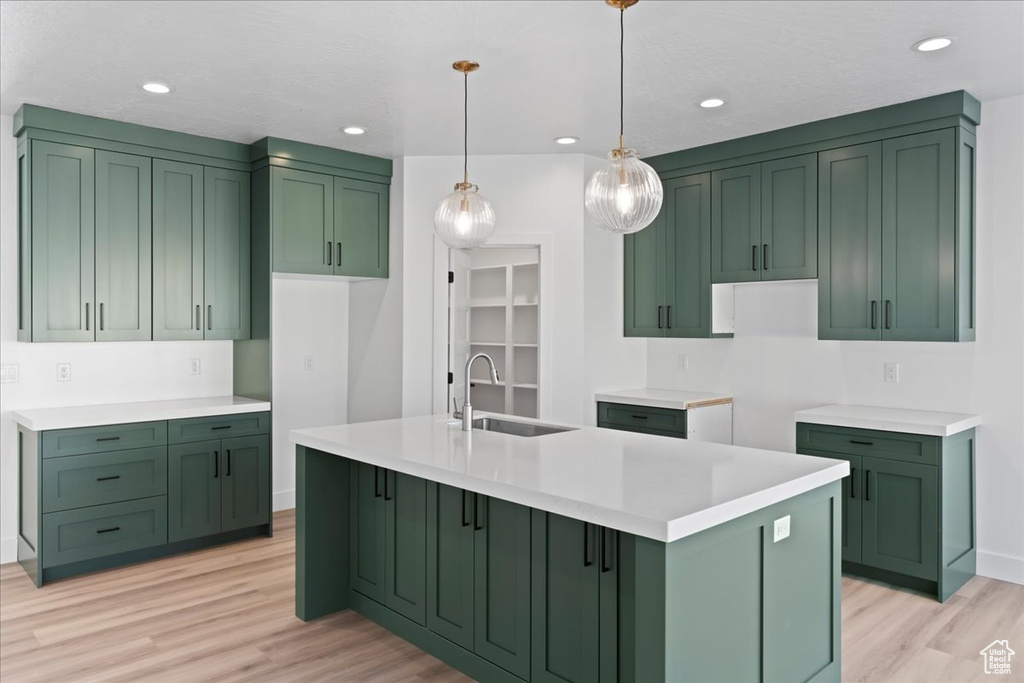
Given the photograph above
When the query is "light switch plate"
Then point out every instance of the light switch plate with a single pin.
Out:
(781, 528)
(63, 372)
(193, 366)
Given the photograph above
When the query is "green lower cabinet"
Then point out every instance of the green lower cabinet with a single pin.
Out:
(366, 534)
(405, 543)
(193, 490)
(853, 495)
(450, 557)
(245, 487)
(900, 517)
(573, 642)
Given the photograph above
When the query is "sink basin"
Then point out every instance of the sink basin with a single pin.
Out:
(492, 424)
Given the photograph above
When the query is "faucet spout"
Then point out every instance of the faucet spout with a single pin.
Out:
(467, 405)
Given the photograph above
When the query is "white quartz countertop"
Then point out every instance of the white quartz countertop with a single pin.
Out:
(890, 419)
(42, 419)
(653, 486)
(663, 398)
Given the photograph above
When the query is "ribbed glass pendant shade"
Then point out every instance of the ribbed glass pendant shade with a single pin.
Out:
(464, 219)
(625, 196)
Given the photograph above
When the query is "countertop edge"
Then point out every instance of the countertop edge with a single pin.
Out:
(670, 404)
(170, 413)
(892, 425)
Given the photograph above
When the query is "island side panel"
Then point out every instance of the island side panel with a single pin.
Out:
(957, 547)
(30, 503)
(321, 533)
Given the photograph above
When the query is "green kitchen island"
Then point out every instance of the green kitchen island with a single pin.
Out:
(578, 556)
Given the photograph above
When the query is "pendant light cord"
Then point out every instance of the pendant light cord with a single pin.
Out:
(465, 128)
(622, 72)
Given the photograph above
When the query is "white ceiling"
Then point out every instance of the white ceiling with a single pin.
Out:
(299, 70)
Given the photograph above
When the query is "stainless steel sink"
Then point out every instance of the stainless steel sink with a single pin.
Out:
(493, 424)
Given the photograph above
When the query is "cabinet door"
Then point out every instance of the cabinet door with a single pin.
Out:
(900, 517)
(644, 280)
(736, 224)
(245, 496)
(226, 254)
(177, 250)
(366, 531)
(850, 242)
(502, 584)
(789, 218)
(918, 237)
(565, 600)
(124, 247)
(63, 234)
(360, 228)
(193, 490)
(450, 563)
(852, 497)
(688, 256)
(302, 221)
(405, 505)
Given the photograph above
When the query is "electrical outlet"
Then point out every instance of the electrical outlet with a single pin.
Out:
(194, 367)
(781, 529)
(63, 372)
(9, 373)
(307, 363)
(892, 372)
(684, 362)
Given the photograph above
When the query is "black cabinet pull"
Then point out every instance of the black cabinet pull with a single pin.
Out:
(199, 324)
(586, 545)
(853, 482)
(874, 315)
(107, 531)
(463, 519)
(867, 485)
(888, 314)
(659, 316)
(376, 482)
(330, 253)
(339, 253)
(86, 316)
(220, 427)
(764, 257)
(228, 451)
(606, 566)
(753, 257)
(478, 524)
(216, 464)
(387, 496)
(862, 443)
(108, 438)
(209, 316)
(668, 317)
(101, 316)
(639, 417)
(116, 476)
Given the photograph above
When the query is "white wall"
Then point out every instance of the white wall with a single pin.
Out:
(310, 318)
(775, 365)
(110, 372)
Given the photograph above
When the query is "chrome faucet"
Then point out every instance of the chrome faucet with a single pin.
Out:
(467, 406)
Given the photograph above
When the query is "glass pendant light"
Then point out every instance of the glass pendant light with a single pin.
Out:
(624, 196)
(464, 219)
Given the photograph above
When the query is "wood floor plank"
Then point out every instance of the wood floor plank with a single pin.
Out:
(228, 614)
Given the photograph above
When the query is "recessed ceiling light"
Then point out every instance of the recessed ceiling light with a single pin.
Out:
(567, 140)
(933, 44)
(712, 103)
(156, 88)
(353, 130)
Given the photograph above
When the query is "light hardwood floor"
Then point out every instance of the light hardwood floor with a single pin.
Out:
(226, 614)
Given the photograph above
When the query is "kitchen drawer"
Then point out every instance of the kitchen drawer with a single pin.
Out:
(99, 478)
(849, 441)
(657, 419)
(122, 437)
(217, 427)
(87, 533)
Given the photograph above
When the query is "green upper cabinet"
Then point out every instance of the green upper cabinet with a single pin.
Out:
(302, 208)
(226, 254)
(62, 234)
(789, 221)
(736, 224)
(895, 255)
(667, 265)
(124, 244)
(177, 251)
(360, 228)
(850, 242)
(919, 237)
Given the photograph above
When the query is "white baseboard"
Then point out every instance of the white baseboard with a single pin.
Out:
(1002, 567)
(284, 500)
(8, 550)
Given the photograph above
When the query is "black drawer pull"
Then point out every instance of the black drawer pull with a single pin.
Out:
(862, 443)
(639, 417)
(116, 476)
(107, 531)
(220, 427)
(108, 438)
